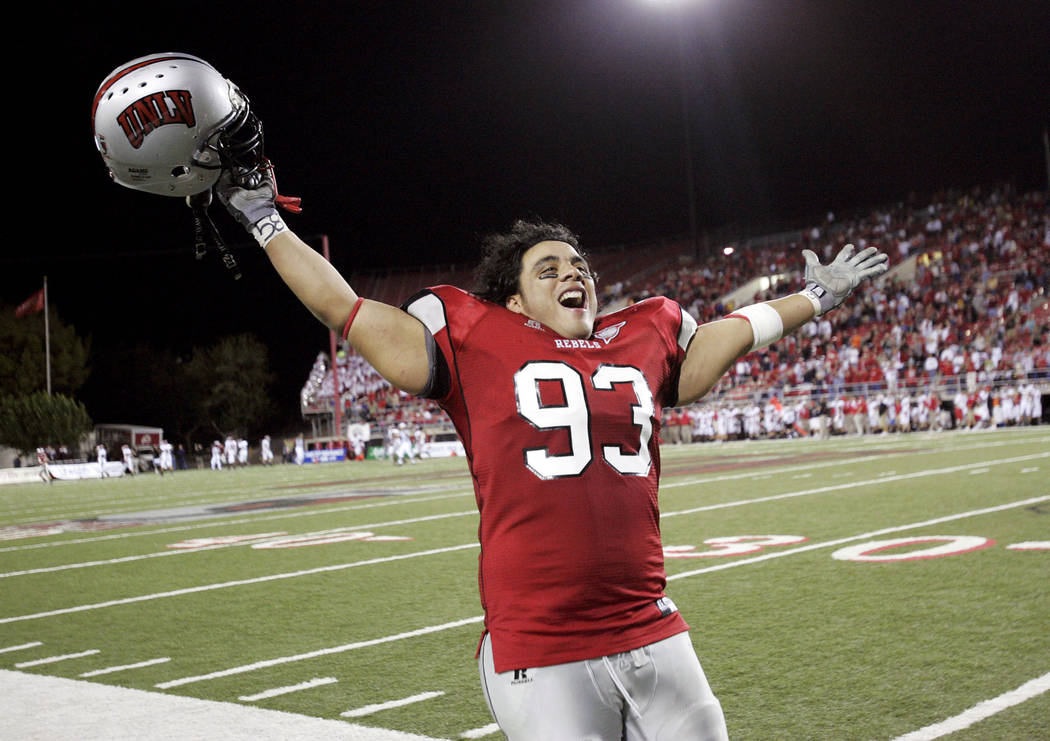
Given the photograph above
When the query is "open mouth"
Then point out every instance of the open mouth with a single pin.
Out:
(574, 298)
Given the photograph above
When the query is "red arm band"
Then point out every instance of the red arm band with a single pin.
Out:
(353, 313)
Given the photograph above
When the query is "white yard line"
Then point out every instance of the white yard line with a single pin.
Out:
(980, 711)
(278, 691)
(56, 659)
(126, 667)
(319, 652)
(372, 709)
(228, 584)
(20, 647)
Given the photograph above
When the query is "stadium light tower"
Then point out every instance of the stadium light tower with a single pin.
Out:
(675, 7)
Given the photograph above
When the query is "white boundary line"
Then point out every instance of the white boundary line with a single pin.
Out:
(981, 710)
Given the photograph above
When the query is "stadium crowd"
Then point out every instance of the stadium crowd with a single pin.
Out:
(957, 334)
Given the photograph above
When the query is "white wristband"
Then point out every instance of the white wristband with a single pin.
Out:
(765, 321)
(267, 228)
(817, 309)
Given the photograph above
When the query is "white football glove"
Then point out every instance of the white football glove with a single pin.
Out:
(253, 202)
(829, 285)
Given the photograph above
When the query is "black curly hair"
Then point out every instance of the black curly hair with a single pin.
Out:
(497, 276)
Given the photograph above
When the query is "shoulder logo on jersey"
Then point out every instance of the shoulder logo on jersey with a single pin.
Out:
(533, 324)
(147, 114)
(608, 334)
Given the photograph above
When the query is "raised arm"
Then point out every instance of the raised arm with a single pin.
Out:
(392, 341)
(718, 344)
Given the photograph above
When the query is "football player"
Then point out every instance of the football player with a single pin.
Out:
(557, 409)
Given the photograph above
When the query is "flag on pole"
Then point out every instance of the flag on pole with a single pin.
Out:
(31, 305)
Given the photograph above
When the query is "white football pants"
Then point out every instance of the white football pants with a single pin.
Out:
(654, 693)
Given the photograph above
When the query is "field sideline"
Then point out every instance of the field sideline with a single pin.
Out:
(887, 587)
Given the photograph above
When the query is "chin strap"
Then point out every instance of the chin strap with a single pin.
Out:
(206, 235)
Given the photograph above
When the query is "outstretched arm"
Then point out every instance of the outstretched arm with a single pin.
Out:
(392, 341)
(718, 344)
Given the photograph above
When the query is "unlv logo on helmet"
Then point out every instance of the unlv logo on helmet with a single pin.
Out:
(205, 122)
(155, 110)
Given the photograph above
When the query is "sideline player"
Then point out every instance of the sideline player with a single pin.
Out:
(558, 410)
(230, 452)
(42, 460)
(102, 456)
(128, 456)
(167, 462)
(266, 451)
(216, 456)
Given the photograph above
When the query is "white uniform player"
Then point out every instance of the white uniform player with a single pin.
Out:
(128, 456)
(266, 451)
(230, 451)
(402, 445)
(166, 462)
(419, 444)
(242, 452)
(42, 461)
(216, 456)
(102, 456)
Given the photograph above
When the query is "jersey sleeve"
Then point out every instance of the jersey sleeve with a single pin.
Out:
(436, 307)
(677, 327)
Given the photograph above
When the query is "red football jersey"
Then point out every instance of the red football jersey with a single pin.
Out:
(561, 438)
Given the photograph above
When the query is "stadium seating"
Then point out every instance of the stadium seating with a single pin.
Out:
(965, 308)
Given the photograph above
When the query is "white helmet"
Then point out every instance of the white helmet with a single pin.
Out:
(169, 123)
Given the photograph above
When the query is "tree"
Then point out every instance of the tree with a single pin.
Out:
(30, 421)
(23, 364)
(231, 381)
(139, 384)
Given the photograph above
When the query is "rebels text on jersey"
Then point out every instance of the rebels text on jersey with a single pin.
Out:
(561, 437)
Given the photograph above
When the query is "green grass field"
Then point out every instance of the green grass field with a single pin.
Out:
(338, 590)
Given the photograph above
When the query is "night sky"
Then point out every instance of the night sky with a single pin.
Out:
(411, 128)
